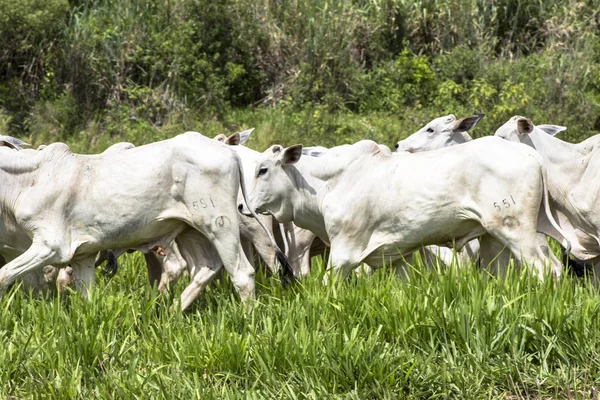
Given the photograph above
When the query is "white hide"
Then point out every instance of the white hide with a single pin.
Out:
(74, 206)
(573, 181)
(374, 207)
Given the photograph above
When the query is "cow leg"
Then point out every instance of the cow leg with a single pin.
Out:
(64, 279)
(526, 247)
(154, 268)
(247, 247)
(300, 243)
(203, 276)
(265, 251)
(84, 276)
(556, 265)
(596, 274)
(170, 267)
(494, 255)
(341, 262)
(35, 258)
(238, 267)
(206, 254)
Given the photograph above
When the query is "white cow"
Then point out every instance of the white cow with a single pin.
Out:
(441, 132)
(73, 206)
(14, 240)
(446, 131)
(301, 244)
(573, 176)
(372, 206)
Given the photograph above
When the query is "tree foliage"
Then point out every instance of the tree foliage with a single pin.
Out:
(131, 68)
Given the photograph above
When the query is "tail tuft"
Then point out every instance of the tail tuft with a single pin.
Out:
(286, 275)
(111, 267)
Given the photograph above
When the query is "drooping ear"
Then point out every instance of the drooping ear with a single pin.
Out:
(291, 155)
(465, 124)
(6, 143)
(552, 129)
(244, 135)
(233, 140)
(12, 142)
(220, 138)
(524, 126)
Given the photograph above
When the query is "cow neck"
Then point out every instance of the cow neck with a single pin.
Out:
(18, 172)
(15, 173)
(560, 158)
(466, 137)
(315, 177)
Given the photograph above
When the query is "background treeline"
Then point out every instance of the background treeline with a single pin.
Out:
(92, 72)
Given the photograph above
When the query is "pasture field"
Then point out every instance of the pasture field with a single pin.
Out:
(439, 333)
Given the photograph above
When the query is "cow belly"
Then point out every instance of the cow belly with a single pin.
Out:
(385, 245)
(128, 236)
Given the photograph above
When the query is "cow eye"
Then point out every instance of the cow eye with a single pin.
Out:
(430, 130)
(262, 171)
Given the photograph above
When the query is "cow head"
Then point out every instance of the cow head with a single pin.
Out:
(274, 182)
(236, 139)
(520, 129)
(441, 132)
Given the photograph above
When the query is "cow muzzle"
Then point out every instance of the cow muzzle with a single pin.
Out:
(244, 210)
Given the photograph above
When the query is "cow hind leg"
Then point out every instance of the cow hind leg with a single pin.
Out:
(199, 281)
(205, 254)
(237, 266)
(527, 249)
(494, 255)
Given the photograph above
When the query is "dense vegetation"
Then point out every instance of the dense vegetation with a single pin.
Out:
(92, 72)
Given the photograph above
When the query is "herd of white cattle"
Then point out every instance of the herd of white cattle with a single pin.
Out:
(184, 203)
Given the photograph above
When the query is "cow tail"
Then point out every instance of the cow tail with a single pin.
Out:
(111, 267)
(286, 274)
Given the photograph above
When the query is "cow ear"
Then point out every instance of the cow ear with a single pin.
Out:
(6, 143)
(12, 142)
(465, 124)
(291, 155)
(244, 135)
(524, 126)
(233, 140)
(552, 129)
(220, 138)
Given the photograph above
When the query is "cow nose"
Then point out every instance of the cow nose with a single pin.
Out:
(240, 207)
(396, 146)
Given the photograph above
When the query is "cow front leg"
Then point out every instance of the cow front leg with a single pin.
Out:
(84, 276)
(36, 257)
(342, 260)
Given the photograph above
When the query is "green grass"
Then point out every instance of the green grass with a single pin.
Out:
(437, 334)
